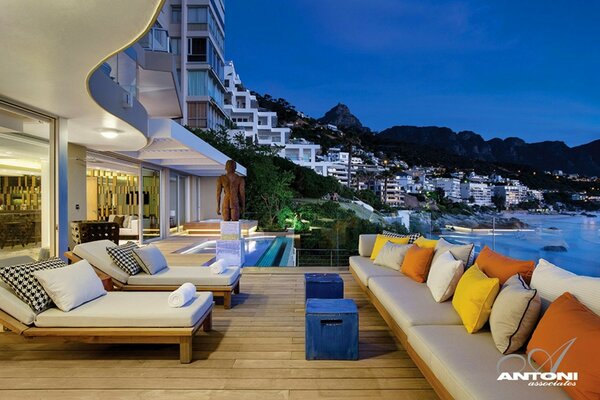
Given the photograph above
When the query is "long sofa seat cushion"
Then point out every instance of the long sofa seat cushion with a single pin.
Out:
(364, 268)
(14, 306)
(411, 303)
(95, 253)
(200, 276)
(128, 309)
(465, 364)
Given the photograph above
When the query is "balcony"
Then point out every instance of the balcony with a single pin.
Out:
(157, 39)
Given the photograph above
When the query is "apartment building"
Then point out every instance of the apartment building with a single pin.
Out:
(513, 194)
(196, 30)
(476, 193)
(451, 187)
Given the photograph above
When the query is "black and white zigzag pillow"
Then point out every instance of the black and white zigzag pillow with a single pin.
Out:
(26, 286)
(411, 238)
(123, 256)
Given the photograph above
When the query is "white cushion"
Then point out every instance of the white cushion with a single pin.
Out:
(552, 281)
(364, 268)
(462, 252)
(465, 364)
(365, 244)
(150, 258)
(514, 315)
(95, 253)
(391, 255)
(127, 222)
(410, 303)
(199, 276)
(111, 218)
(14, 306)
(444, 274)
(129, 309)
(71, 286)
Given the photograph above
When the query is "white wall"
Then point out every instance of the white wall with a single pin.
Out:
(208, 198)
(77, 169)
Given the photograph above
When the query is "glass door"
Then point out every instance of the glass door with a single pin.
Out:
(150, 203)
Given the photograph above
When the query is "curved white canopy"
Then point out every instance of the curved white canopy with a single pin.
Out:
(49, 48)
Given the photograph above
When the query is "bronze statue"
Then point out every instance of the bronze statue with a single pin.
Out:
(234, 188)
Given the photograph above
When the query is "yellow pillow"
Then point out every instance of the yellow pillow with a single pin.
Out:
(426, 243)
(474, 297)
(382, 240)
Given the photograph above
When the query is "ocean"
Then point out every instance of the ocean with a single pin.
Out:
(577, 236)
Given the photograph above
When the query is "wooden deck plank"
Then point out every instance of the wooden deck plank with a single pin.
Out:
(255, 351)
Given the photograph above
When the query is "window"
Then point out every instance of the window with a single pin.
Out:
(197, 114)
(175, 14)
(197, 50)
(197, 83)
(176, 45)
(197, 15)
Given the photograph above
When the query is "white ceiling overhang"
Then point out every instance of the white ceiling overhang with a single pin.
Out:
(49, 49)
(173, 146)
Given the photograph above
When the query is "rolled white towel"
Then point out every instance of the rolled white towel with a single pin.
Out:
(218, 267)
(182, 295)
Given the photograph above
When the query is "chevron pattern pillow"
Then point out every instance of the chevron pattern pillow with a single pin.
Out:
(411, 237)
(123, 256)
(26, 286)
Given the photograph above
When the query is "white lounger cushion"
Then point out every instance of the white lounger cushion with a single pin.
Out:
(14, 306)
(465, 364)
(95, 253)
(128, 309)
(410, 303)
(200, 276)
(364, 268)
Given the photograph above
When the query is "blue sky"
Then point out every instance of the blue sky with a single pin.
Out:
(500, 68)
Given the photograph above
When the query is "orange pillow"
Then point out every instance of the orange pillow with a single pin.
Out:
(496, 265)
(417, 262)
(568, 319)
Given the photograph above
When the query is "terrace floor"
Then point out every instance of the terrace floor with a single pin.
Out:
(256, 351)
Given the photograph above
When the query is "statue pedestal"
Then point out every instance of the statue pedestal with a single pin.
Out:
(231, 247)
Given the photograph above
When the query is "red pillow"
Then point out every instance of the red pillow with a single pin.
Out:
(567, 319)
(496, 265)
(417, 262)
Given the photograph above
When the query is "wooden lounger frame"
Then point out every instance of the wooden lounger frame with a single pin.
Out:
(218, 291)
(181, 336)
(435, 383)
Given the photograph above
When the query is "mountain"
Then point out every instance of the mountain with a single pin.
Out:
(548, 155)
(341, 117)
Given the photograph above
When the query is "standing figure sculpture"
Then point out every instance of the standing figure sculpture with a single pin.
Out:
(233, 187)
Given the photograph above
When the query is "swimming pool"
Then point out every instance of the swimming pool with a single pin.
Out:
(263, 251)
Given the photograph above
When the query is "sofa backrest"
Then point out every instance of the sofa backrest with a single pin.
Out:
(366, 243)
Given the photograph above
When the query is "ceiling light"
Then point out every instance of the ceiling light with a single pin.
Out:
(109, 133)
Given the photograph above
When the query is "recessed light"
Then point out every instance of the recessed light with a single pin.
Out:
(109, 133)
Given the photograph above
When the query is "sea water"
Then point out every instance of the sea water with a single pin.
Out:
(571, 242)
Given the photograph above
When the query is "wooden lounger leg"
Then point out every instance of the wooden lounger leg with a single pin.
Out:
(207, 324)
(236, 289)
(185, 349)
(227, 300)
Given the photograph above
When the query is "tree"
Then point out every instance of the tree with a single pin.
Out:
(499, 201)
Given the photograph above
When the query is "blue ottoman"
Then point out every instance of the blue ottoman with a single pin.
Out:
(323, 286)
(331, 329)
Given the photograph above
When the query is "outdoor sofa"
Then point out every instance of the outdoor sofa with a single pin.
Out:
(116, 317)
(221, 285)
(458, 365)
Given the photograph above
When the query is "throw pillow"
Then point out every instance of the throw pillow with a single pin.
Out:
(514, 315)
(417, 262)
(26, 286)
(473, 298)
(552, 281)
(459, 251)
(150, 259)
(496, 265)
(392, 255)
(123, 256)
(71, 286)
(382, 240)
(119, 219)
(444, 275)
(427, 243)
(567, 322)
(411, 236)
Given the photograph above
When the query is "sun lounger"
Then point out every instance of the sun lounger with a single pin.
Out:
(117, 317)
(221, 285)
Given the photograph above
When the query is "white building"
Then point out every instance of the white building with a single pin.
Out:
(513, 194)
(479, 193)
(451, 187)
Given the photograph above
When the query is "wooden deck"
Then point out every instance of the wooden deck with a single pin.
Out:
(256, 351)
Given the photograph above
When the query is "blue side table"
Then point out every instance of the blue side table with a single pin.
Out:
(323, 286)
(331, 329)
